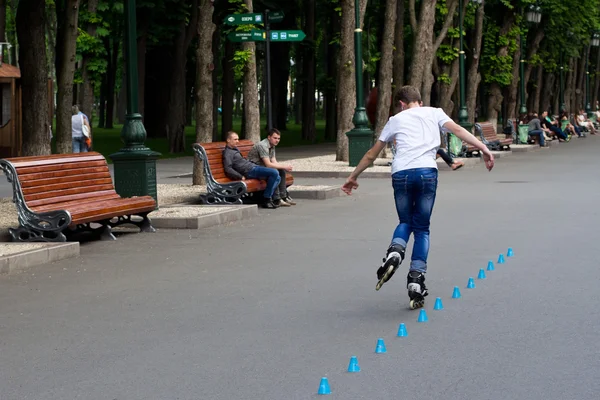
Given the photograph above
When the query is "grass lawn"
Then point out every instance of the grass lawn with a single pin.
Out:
(108, 141)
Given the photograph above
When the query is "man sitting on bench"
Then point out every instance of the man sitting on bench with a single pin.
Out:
(238, 168)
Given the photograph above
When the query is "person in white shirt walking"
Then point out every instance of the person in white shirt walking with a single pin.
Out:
(416, 131)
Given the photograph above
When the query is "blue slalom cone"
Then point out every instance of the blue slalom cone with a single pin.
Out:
(438, 304)
(456, 293)
(481, 274)
(501, 259)
(471, 284)
(380, 346)
(510, 253)
(324, 387)
(490, 266)
(422, 316)
(353, 366)
(402, 332)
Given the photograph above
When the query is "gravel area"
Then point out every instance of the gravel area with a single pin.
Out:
(187, 211)
(179, 193)
(328, 163)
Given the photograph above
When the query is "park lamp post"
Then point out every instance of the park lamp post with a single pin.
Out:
(463, 115)
(134, 164)
(595, 42)
(532, 16)
(360, 139)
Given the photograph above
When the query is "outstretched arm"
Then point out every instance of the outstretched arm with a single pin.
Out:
(367, 160)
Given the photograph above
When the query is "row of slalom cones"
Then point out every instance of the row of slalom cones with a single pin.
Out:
(380, 348)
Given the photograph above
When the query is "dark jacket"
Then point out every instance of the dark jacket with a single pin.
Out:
(236, 167)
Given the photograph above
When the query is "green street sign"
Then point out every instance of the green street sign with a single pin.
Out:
(251, 36)
(243, 19)
(276, 16)
(287, 36)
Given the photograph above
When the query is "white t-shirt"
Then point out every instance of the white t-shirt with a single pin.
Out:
(416, 132)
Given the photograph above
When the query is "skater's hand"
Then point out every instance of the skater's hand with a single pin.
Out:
(350, 185)
(488, 158)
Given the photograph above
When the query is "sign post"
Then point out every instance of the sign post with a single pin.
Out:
(266, 36)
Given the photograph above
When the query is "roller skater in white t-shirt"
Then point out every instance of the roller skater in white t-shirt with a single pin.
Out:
(416, 131)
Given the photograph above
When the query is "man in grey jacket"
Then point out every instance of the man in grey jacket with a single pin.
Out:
(238, 168)
(536, 129)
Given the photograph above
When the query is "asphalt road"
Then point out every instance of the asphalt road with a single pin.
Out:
(263, 309)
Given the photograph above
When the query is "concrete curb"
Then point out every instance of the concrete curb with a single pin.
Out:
(319, 194)
(524, 148)
(49, 252)
(237, 213)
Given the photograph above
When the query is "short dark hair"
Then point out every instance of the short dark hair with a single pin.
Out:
(230, 134)
(274, 131)
(408, 94)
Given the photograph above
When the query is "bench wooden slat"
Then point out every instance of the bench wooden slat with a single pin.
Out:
(37, 161)
(66, 204)
(68, 192)
(73, 197)
(83, 182)
(63, 179)
(63, 168)
(125, 207)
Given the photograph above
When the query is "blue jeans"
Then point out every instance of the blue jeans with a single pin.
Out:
(79, 145)
(414, 192)
(539, 133)
(271, 175)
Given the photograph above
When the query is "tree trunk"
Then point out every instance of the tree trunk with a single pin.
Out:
(427, 81)
(3, 20)
(580, 98)
(280, 74)
(144, 19)
(112, 50)
(331, 28)
(346, 96)
(447, 90)
(299, 89)
(513, 96)
(34, 77)
(422, 45)
(399, 54)
(308, 101)
(167, 83)
(569, 86)
(251, 110)
(384, 89)
(102, 106)
(495, 97)
(538, 90)
(473, 75)
(596, 81)
(66, 40)
(533, 49)
(87, 87)
(204, 83)
(548, 93)
(228, 91)
(216, 90)
(122, 99)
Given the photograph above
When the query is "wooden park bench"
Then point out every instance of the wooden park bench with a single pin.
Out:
(63, 194)
(490, 138)
(221, 189)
